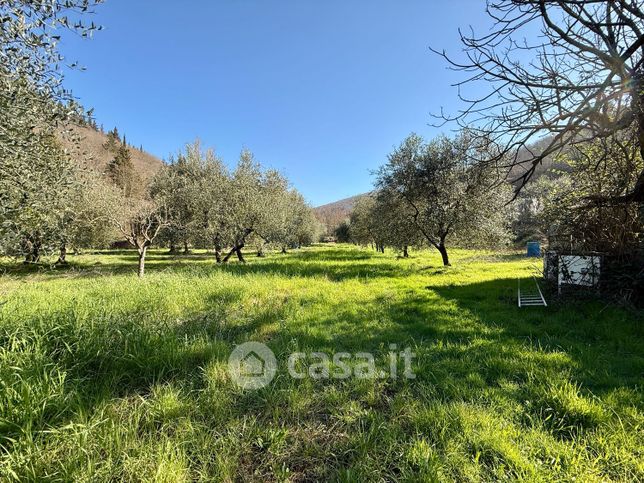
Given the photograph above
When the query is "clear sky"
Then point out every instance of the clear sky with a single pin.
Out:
(320, 89)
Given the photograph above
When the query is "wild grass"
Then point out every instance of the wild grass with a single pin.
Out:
(107, 377)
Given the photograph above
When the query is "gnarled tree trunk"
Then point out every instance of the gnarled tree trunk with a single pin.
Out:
(405, 252)
(443, 251)
(32, 250)
(142, 252)
(238, 247)
(218, 249)
(240, 256)
(62, 257)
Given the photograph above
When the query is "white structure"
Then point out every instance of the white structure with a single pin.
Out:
(580, 270)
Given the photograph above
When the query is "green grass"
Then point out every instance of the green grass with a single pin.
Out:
(107, 377)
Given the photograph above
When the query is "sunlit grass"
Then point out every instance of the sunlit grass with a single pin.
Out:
(104, 376)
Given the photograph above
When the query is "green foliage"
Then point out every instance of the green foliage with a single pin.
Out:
(384, 219)
(29, 40)
(578, 212)
(528, 221)
(343, 233)
(103, 379)
(212, 207)
(89, 215)
(178, 184)
(363, 223)
(36, 196)
(123, 174)
(38, 181)
(113, 141)
(436, 191)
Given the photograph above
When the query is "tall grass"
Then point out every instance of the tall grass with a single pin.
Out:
(107, 377)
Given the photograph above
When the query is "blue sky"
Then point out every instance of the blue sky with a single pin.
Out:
(321, 90)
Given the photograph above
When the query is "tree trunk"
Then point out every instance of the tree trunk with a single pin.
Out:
(443, 252)
(405, 252)
(218, 249)
(638, 96)
(238, 246)
(142, 252)
(172, 248)
(229, 254)
(32, 250)
(236, 249)
(62, 257)
(186, 248)
(260, 247)
(284, 250)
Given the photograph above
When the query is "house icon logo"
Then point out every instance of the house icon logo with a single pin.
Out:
(252, 365)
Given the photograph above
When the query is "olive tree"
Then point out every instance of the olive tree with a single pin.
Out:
(36, 195)
(179, 183)
(444, 192)
(244, 203)
(36, 176)
(140, 222)
(275, 224)
(307, 227)
(392, 216)
(215, 207)
(363, 224)
(84, 219)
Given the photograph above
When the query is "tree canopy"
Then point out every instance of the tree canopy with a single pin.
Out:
(440, 191)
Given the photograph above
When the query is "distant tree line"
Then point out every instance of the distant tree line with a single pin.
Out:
(226, 210)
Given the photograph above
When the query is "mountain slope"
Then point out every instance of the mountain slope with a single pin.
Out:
(333, 214)
(91, 148)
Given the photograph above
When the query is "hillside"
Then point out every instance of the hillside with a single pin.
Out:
(333, 214)
(92, 149)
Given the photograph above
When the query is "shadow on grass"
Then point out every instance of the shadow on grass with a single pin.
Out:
(472, 344)
(295, 263)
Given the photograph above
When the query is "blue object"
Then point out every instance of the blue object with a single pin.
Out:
(534, 249)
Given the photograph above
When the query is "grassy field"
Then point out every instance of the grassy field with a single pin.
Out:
(107, 377)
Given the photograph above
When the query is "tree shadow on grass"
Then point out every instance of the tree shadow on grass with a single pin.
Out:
(472, 343)
(605, 343)
(470, 337)
(292, 264)
(114, 356)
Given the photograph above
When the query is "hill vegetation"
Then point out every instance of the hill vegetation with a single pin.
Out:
(332, 215)
(91, 146)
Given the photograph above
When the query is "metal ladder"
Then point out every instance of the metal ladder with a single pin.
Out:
(531, 298)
